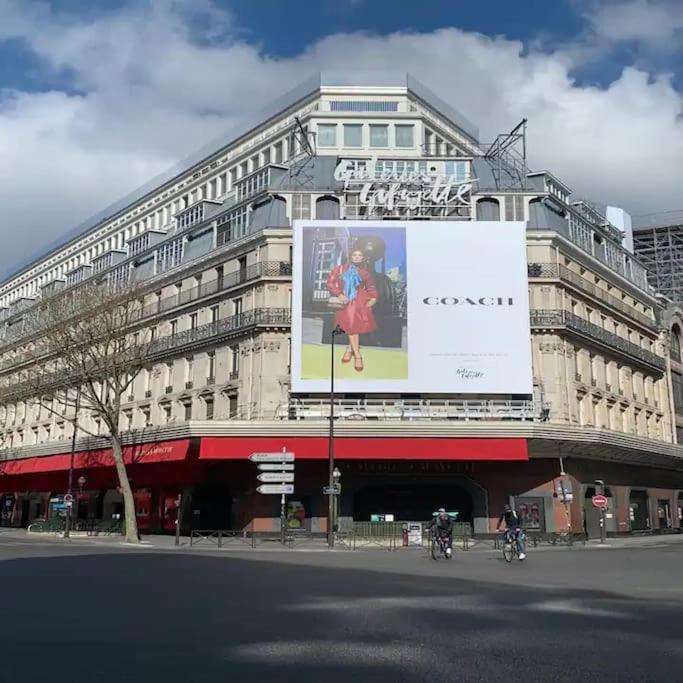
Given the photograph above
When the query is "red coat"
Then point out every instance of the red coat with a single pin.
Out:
(356, 317)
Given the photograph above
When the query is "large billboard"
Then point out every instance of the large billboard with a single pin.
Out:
(417, 306)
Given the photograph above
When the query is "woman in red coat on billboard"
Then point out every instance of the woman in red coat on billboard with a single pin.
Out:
(354, 289)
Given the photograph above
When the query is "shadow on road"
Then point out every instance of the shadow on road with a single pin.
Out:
(153, 617)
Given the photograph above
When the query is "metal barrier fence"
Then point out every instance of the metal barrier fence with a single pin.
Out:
(92, 527)
(222, 537)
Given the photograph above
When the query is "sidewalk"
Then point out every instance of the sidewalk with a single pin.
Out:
(165, 542)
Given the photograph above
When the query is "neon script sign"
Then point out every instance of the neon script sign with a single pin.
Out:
(409, 188)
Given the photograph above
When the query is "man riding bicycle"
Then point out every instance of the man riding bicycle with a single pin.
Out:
(513, 528)
(442, 524)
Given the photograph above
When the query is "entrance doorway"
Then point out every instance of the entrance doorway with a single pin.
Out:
(592, 516)
(639, 510)
(415, 502)
(211, 507)
(664, 513)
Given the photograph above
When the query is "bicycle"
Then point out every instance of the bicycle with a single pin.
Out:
(438, 547)
(510, 549)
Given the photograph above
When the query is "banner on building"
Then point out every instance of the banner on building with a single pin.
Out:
(417, 306)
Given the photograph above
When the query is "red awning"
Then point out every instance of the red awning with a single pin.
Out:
(373, 448)
(162, 451)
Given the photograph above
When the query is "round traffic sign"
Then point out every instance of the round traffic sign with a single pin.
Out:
(599, 502)
(68, 498)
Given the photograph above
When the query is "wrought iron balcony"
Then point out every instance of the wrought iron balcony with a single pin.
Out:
(407, 410)
(558, 271)
(569, 321)
(254, 318)
(229, 280)
(163, 346)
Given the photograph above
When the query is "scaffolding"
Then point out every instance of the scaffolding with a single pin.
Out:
(302, 160)
(506, 156)
(658, 242)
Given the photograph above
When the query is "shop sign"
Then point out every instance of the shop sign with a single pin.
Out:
(409, 188)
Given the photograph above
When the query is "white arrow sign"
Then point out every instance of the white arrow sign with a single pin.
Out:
(276, 488)
(272, 457)
(272, 466)
(276, 476)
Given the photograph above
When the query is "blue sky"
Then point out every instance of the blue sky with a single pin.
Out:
(97, 97)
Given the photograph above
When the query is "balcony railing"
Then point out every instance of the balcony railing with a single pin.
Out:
(556, 318)
(255, 317)
(253, 272)
(432, 409)
(229, 280)
(561, 272)
(162, 346)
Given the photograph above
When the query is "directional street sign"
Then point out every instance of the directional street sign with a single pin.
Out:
(276, 476)
(276, 488)
(276, 466)
(334, 490)
(272, 457)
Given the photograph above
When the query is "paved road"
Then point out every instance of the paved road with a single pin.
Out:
(117, 614)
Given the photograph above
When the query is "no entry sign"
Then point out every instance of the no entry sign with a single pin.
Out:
(599, 502)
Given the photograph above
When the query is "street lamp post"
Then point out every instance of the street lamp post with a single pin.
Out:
(330, 482)
(69, 506)
(603, 520)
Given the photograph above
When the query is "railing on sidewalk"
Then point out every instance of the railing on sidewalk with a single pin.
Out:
(221, 537)
(92, 527)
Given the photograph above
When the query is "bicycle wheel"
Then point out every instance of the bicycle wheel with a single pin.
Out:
(508, 552)
(435, 550)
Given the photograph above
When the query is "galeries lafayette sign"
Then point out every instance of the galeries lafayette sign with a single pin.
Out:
(409, 188)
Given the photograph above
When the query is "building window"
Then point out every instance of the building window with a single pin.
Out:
(237, 306)
(214, 314)
(379, 135)
(235, 361)
(193, 321)
(187, 410)
(327, 135)
(676, 343)
(209, 407)
(363, 105)
(211, 357)
(146, 416)
(169, 255)
(232, 405)
(174, 327)
(301, 206)
(166, 412)
(405, 136)
(353, 135)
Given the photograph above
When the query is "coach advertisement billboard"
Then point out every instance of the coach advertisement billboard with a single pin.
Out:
(416, 307)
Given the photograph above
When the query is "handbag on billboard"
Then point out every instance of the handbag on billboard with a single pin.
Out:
(335, 303)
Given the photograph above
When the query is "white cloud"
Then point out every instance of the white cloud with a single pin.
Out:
(148, 92)
(659, 21)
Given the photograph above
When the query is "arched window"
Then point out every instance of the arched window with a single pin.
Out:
(488, 210)
(327, 208)
(676, 343)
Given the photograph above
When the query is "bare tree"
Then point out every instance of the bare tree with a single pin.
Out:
(92, 347)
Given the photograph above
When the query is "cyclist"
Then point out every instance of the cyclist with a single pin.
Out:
(513, 527)
(442, 524)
